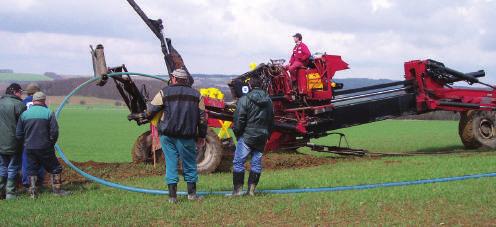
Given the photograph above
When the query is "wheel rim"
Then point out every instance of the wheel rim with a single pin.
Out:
(486, 129)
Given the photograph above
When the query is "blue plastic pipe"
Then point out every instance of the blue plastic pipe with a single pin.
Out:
(274, 191)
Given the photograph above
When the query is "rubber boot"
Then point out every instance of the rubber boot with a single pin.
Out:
(57, 186)
(238, 181)
(3, 182)
(252, 183)
(33, 189)
(11, 189)
(192, 196)
(172, 193)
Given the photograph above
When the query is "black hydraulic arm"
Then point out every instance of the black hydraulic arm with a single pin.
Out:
(172, 58)
(448, 75)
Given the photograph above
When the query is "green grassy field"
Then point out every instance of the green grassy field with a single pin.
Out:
(105, 135)
(24, 77)
(98, 134)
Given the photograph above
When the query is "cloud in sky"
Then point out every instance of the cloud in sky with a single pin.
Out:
(222, 36)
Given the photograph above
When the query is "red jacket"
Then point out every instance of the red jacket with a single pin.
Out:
(301, 53)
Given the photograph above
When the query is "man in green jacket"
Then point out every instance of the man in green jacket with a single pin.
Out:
(11, 108)
(253, 121)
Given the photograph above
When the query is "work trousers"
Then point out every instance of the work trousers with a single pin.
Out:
(241, 154)
(294, 67)
(24, 170)
(45, 158)
(10, 165)
(179, 148)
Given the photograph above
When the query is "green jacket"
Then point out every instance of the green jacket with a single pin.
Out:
(11, 108)
(254, 118)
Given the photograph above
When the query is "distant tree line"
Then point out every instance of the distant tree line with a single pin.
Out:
(109, 91)
(53, 76)
(6, 71)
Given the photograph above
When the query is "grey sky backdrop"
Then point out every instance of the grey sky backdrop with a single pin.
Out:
(220, 36)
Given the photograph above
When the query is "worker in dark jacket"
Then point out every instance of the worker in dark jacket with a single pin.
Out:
(11, 108)
(253, 121)
(39, 131)
(300, 56)
(28, 101)
(183, 121)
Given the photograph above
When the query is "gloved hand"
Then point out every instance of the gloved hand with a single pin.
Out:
(140, 118)
(135, 116)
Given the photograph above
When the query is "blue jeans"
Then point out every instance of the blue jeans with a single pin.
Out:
(175, 148)
(10, 165)
(25, 174)
(241, 154)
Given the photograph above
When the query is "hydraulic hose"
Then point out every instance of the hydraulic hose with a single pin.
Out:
(272, 191)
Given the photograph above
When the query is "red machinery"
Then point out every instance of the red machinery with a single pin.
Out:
(310, 104)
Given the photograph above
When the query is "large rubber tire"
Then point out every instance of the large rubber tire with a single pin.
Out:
(478, 129)
(142, 149)
(210, 156)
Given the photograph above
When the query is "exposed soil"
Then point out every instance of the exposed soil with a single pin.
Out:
(116, 171)
(271, 161)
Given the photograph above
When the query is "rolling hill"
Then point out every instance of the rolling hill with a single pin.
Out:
(22, 77)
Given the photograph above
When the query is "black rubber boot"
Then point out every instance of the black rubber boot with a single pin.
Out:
(57, 186)
(192, 196)
(33, 189)
(11, 189)
(252, 183)
(3, 182)
(172, 193)
(238, 181)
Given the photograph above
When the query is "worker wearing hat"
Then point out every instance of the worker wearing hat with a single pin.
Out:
(182, 122)
(39, 131)
(300, 55)
(30, 90)
(28, 101)
(11, 108)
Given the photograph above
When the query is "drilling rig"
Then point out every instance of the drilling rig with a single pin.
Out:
(310, 104)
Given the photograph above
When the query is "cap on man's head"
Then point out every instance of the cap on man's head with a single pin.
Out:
(39, 96)
(32, 88)
(13, 88)
(298, 35)
(180, 73)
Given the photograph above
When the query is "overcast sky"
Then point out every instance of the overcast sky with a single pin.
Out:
(219, 36)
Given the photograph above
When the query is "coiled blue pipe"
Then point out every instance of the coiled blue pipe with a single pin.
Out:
(276, 191)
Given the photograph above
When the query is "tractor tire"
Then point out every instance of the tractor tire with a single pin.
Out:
(142, 149)
(478, 129)
(210, 156)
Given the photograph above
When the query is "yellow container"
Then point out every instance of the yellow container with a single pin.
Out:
(314, 81)
(212, 92)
